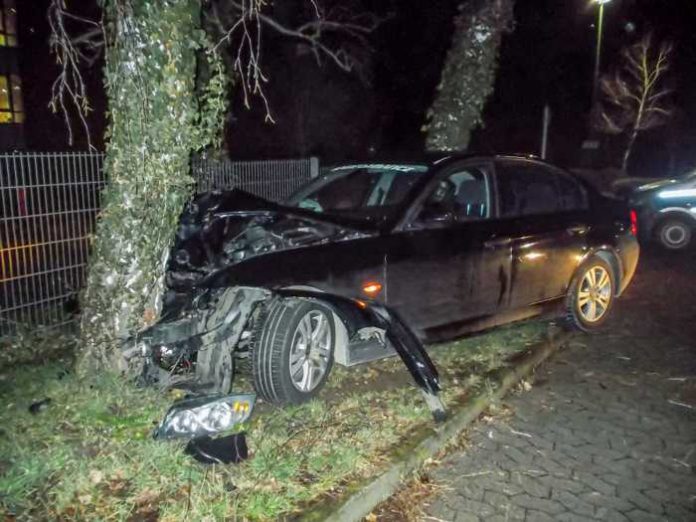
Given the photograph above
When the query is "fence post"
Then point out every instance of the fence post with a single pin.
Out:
(313, 167)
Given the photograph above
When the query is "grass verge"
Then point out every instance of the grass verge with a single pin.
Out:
(89, 453)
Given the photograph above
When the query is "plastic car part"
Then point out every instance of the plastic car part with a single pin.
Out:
(207, 331)
(230, 449)
(205, 416)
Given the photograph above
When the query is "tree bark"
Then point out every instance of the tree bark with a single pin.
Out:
(154, 125)
(468, 75)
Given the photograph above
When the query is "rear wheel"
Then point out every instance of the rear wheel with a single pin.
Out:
(591, 295)
(293, 352)
(674, 234)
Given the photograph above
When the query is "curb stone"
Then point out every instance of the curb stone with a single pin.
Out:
(361, 499)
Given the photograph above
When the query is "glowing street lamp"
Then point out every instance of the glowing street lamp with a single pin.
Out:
(600, 27)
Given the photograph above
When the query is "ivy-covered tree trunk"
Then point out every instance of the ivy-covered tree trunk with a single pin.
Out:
(155, 122)
(468, 75)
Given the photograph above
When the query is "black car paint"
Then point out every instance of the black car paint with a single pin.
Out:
(480, 271)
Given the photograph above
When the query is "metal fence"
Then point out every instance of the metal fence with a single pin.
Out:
(48, 207)
(274, 180)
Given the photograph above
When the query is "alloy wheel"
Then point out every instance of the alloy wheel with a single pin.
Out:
(310, 351)
(595, 294)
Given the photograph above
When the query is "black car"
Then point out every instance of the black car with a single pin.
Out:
(666, 211)
(373, 258)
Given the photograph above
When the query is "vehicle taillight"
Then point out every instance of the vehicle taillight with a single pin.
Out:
(634, 222)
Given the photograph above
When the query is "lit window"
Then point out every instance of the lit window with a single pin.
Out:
(11, 103)
(8, 23)
(4, 94)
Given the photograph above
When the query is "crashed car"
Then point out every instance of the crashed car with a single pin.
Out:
(372, 259)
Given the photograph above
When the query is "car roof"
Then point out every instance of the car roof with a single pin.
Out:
(433, 158)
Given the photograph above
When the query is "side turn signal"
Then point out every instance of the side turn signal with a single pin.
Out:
(371, 288)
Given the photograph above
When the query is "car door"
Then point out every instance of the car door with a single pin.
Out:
(545, 214)
(442, 266)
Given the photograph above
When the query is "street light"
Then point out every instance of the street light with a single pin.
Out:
(600, 27)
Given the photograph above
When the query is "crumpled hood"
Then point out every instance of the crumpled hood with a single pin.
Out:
(220, 229)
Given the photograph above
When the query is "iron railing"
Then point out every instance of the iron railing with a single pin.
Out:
(48, 207)
(274, 180)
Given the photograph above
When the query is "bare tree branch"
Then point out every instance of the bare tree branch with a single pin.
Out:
(633, 101)
(243, 34)
(68, 89)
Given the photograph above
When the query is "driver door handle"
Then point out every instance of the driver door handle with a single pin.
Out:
(497, 242)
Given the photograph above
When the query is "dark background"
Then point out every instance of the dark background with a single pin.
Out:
(325, 112)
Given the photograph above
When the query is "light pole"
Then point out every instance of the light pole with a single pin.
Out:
(598, 55)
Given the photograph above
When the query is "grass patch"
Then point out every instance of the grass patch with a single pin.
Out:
(89, 453)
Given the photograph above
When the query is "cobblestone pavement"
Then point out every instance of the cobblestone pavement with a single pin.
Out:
(608, 430)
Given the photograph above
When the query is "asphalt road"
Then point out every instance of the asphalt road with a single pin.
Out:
(608, 430)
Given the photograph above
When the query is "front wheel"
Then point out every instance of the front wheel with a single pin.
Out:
(293, 352)
(591, 295)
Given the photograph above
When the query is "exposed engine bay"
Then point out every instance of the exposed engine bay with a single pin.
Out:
(221, 229)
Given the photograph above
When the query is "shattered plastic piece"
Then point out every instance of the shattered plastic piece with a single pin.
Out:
(39, 406)
(222, 450)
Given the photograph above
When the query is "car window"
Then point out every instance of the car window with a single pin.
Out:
(359, 189)
(463, 195)
(527, 189)
(572, 194)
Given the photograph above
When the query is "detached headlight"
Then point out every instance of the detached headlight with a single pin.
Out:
(201, 416)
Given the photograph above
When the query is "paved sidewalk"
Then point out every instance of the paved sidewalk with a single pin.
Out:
(608, 430)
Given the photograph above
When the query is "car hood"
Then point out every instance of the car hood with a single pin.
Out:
(648, 187)
(220, 229)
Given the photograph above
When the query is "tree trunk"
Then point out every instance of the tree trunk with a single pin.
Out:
(629, 149)
(155, 122)
(468, 75)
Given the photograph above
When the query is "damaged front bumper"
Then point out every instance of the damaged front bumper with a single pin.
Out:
(196, 351)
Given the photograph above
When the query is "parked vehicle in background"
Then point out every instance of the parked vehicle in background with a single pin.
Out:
(666, 211)
(375, 257)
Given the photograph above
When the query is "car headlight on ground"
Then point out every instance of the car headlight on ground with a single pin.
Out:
(199, 416)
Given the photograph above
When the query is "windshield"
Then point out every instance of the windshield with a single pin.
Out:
(366, 191)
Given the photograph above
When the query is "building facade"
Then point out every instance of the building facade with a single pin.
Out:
(11, 102)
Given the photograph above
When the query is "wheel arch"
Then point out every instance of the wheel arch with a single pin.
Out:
(609, 255)
(342, 314)
(680, 213)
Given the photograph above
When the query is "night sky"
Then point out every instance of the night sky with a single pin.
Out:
(323, 111)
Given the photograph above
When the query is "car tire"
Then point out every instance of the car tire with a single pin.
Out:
(591, 295)
(285, 368)
(674, 234)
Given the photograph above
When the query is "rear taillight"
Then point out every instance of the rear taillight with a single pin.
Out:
(634, 222)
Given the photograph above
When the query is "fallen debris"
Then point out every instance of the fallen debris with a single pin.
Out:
(39, 406)
(231, 449)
